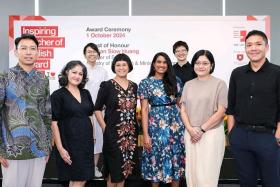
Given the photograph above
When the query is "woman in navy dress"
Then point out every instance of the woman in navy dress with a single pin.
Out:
(72, 128)
(119, 125)
(163, 132)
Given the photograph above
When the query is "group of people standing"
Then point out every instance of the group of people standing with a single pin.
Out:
(182, 111)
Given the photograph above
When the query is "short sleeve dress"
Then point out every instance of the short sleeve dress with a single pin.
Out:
(120, 135)
(76, 133)
(165, 162)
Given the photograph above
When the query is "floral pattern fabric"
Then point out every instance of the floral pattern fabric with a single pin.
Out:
(126, 128)
(120, 134)
(165, 162)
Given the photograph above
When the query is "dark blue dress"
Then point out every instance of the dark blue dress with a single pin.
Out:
(166, 161)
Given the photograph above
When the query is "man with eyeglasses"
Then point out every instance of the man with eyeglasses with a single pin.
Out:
(25, 135)
(254, 115)
(182, 68)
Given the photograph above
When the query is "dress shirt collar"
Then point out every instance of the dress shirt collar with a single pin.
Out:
(186, 64)
(19, 69)
(263, 68)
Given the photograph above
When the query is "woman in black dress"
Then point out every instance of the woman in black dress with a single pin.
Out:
(118, 96)
(72, 128)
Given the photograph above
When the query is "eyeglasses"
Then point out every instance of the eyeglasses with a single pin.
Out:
(25, 49)
(203, 63)
(92, 52)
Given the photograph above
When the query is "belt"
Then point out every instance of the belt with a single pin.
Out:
(166, 104)
(257, 128)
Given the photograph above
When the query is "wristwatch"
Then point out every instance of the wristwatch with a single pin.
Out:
(202, 130)
(278, 140)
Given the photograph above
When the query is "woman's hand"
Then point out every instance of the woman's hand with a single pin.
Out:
(65, 156)
(277, 133)
(195, 133)
(147, 143)
(103, 129)
(94, 141)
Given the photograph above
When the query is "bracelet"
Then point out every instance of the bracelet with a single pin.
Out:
(202, 130)
(278, 140)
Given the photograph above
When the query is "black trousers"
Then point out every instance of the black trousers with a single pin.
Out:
(255, 152)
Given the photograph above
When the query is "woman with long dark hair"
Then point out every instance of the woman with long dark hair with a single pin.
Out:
(163, 132)
(72, 128)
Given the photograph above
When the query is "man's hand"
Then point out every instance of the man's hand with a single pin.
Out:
(47, 158)
(4, 162)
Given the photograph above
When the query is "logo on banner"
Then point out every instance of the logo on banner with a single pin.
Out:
(50, 75)
(240, 57)
(239, 36)
(243, 34)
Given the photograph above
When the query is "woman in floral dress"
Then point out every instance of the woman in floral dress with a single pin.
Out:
(163, 157)
(119, 125)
